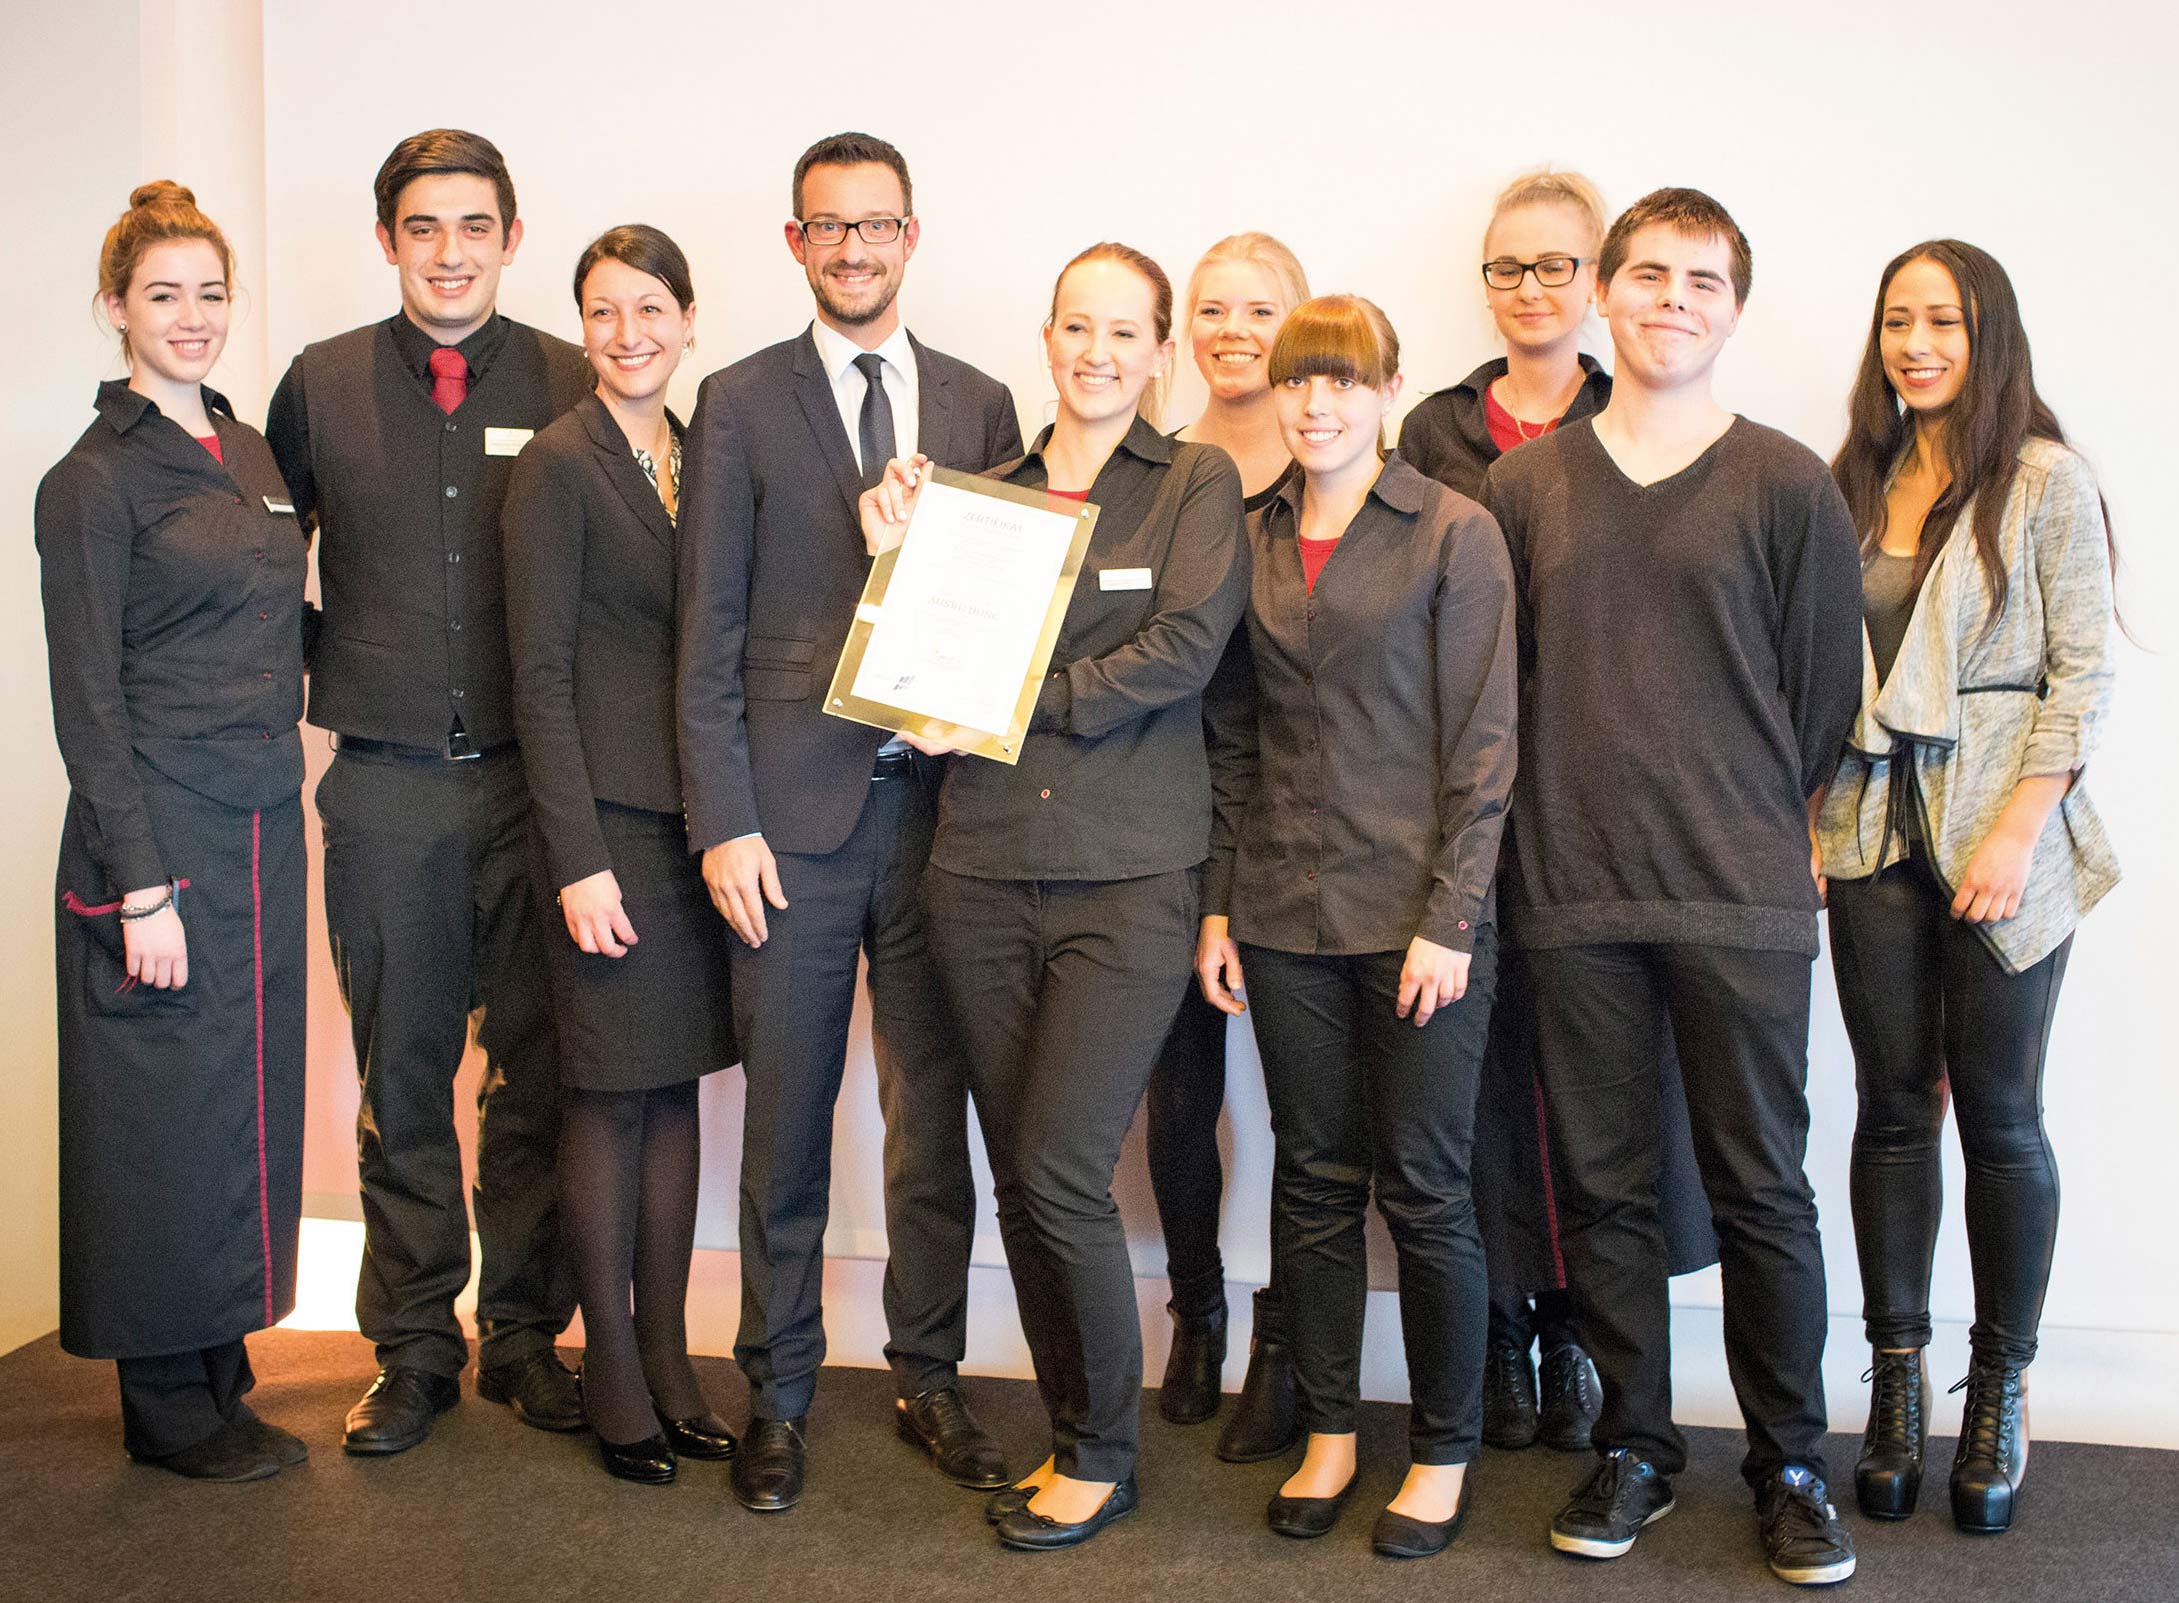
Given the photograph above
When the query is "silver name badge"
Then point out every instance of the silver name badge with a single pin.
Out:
(1123, 579)
(506, 442)
(278, 507)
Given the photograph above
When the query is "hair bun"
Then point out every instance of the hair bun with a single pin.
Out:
(161, 192)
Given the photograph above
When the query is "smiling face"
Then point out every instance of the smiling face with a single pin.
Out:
(854, 281)
(448, 242)
(175, 311)
(1671, 306)
(634, 331)
(1102, 342)
(1531, 317)
(1332, 425)
(1924, 341)
(1236, 316)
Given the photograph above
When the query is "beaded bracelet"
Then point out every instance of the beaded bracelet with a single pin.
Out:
(173, 893)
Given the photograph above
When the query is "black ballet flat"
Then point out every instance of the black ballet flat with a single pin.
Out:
(648, 1462)
(703, 1436)
(1308, 1516)
(1028, 1531)
(1404, 1536)
(1007, 1500)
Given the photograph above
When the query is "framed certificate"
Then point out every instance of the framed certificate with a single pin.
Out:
(957, 622)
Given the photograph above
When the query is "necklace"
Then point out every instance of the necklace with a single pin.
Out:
(1520, 427)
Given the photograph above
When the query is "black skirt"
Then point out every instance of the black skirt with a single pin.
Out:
(661, 1015)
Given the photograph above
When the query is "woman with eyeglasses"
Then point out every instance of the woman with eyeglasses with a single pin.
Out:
(1539, 277)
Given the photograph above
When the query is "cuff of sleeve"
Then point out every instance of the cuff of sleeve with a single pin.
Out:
(2051, 754)
(1055, 702)
(1218, 886)
(133, 867)
(1455, 934)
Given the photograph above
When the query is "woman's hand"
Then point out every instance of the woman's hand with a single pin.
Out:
(742, 875)
(937, 740)
(885, 506)
(1218, 965)
(1433, 976)
(1995, 877)
(155, 949)
(595, 920)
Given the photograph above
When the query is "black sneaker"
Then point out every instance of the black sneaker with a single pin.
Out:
(1572, 1398)
(1509, 1394)
(1609, 1509)
(1802, 1536)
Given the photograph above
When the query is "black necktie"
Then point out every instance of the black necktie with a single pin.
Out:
(875, 431)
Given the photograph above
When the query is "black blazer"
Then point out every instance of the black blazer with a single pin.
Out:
(590, 561)
(771, 568)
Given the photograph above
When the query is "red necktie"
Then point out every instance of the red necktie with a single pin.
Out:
(449, 378)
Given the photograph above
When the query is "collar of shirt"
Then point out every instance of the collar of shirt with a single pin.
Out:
(1141, 441)
(1400, 487)
(124, 408)
(477, 350)
(837, 353)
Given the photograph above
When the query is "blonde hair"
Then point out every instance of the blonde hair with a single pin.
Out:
(1547, 186)
(158, 212)
(1260, 250)
(1150, 405)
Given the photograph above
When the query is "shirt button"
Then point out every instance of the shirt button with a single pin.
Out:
(259, 555)
(450, 425)
(1463, 923)
(263, 617)
(1309, 876)
(266, 675)
(456, 626)
(267, 735)
(1045, 794)
(453, 556)
(451, 492)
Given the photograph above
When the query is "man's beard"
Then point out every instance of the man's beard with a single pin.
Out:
(851, 313)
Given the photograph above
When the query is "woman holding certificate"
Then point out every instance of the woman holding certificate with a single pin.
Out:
(1353, 861)
(1062, 891)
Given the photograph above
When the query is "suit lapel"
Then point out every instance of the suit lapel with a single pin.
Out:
(814, 389)
(934, 413)
(623, 471)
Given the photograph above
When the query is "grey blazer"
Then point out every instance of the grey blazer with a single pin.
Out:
(1975, 711)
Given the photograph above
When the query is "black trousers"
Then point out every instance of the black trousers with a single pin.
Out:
(1928, 1008)
(174, 1401)
(1187, 1176)
(794, 997)
(1065, 989)
(1516, 1205)
(1740, 1019)
(1360, 1096)
(434, 915)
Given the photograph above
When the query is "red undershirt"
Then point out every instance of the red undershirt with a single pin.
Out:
(1507, 431)
(211, 443)
(1314, 554)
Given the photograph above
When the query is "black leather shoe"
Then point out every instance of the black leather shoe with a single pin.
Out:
(1032, 1532)
(1993, 1451)
(284, 1447)
(939, 1422)
(1509, 1395)
(228, 1454)
(1572, 1397)
(1404, 1536)
(647, 1463)
(1308, 1516)
(1888, 1475)
(705, 1436)
(1007, 1500)
(539, 1388)
(1267, 1419)
(1190, 1392)
(768, 1465)
(396, 1413)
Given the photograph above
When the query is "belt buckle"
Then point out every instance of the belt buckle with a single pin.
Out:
(458, 748)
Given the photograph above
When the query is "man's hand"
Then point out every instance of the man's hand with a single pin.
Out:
(735, 871)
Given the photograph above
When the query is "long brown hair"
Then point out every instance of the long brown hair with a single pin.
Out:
(1997, 411)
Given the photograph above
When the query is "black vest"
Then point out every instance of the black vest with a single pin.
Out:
(408, 500)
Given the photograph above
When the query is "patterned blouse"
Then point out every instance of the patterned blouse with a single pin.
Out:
(649, 465)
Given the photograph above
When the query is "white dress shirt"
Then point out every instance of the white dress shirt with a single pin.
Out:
(837, 352)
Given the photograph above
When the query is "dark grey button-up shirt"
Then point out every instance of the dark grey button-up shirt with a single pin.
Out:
(1362, 788)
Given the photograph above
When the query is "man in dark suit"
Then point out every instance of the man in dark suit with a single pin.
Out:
(396, 440)
(814, 830)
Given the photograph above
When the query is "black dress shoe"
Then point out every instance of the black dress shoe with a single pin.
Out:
(1509, 1394)
(228, 1454)
(285, 1447)
(768, 1465)
(1572, 1397)
(705, 1436)
(1030, 1531)
(1190, 1392)
(539, 1388)
(1007, 1500)
(396, 1413)
(1888, 1475)
(1266, 1421)
(1993, 1451)
(939, 1422)
(1308, 1516)
(647, 1463)
(1404, 1536)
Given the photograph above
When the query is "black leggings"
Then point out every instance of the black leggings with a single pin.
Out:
(628, 1168)
(1927, 1008)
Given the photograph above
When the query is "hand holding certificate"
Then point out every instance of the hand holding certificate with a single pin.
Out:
(963, 605)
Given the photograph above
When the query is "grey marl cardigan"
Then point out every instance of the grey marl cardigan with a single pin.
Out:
(1975, 712)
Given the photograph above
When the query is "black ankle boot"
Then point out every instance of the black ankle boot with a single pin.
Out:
(1993, 1453)
(1190, 1391)
(1509, 1394)
(1267, 1419)
(1888, 1475)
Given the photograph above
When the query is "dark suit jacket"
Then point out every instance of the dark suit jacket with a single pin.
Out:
(771, 568)
(590, 564)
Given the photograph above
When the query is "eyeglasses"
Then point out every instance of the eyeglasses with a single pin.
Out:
(1552, 272)
(874, 230)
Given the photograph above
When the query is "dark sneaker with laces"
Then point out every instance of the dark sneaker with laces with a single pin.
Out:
(1572, 1398)
(1609, 1509)
(1802, 1536)
(1509, 1394)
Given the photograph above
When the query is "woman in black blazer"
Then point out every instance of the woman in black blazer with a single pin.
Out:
(639, 986)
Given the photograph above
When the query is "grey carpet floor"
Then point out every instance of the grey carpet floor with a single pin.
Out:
(489, 1510)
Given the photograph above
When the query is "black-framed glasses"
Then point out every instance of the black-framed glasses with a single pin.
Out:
(1552, 272)
(874, 230)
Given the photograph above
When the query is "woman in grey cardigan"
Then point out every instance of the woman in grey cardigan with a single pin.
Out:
(1959, 843)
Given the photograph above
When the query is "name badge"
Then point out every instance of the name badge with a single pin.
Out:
(279, 508)
(1123, 578)
(506, 442)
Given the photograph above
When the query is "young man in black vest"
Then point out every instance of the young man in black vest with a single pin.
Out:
(396, 441)
(814, 830)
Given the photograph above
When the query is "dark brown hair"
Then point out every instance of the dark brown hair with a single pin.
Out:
(158, 212)
(442, 150)
(647, 250)
(853, 150)
(1688, 212)
(1152, 403)
(1996, 411)
(1337, 336)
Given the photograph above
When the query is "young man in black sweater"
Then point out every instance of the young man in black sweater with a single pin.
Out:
(1690, 662)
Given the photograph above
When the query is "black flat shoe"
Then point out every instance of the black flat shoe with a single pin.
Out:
(647, 1463)
(539, 1388)
(1266, 1421)
(1190, 1392)
(1404, 1536)
(1509, 1395)
(1031, 1532)
(1007, 1500)
(1308, 1516)
(283, 1446)
(768, 1466)
(1888, 1475)
(705, 1436)
(939, 1422)
(396, 1413)
(1993, 1451)
(225, 1455)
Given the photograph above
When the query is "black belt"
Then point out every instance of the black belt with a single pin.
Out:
(893, 765)
(457, 749)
